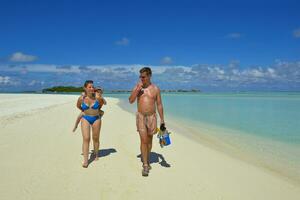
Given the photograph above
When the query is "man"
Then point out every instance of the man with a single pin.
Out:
(148, 98)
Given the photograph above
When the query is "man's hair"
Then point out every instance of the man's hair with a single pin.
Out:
(88, 82)
(147, 70)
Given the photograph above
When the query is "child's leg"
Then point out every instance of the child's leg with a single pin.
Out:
(77, 121)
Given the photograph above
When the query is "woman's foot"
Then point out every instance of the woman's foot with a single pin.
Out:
(95, 156)
(85, 165)
(149, 166)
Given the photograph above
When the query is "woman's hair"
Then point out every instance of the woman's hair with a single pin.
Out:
(88, 82)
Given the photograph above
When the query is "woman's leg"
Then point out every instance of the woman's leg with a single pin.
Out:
(85, 129)
(96, 134)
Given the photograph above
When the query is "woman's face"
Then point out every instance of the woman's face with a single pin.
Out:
(89, 89)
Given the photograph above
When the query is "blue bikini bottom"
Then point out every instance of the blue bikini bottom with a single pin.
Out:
(91, 119)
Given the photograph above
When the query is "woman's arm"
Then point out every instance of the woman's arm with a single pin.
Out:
(79, 102)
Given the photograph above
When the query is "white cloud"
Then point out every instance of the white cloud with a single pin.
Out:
(256, 73)
(296, 33)
(280, 73)
(33, 82)
(280, 70)
(123, 42)
(234, 35)
(234, 64)
(166, 60)
(20, 57)
(5, 80)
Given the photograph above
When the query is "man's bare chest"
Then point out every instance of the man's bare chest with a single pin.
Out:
(148, 93)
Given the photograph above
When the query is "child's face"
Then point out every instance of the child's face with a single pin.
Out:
(98, 91)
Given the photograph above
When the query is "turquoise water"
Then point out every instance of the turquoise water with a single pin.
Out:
(270, 115)
(263, 128)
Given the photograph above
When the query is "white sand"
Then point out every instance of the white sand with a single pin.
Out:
(41, 159)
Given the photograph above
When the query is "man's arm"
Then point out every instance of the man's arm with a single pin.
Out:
(160, 107)
(135, 93)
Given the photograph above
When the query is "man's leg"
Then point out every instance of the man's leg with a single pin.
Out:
(144, 147)
(152, 129)
(144, 153)
(149, 140)
(141, 127)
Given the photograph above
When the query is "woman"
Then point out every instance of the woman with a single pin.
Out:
(98, 92)
(90, 104)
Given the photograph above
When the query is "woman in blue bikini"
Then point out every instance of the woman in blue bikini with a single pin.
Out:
(89, 104)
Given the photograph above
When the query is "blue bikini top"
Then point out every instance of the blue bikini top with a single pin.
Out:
(95, 106)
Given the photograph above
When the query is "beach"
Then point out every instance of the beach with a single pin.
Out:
(41, 159)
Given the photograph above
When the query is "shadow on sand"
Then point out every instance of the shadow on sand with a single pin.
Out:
(101, 153)
(155, 157)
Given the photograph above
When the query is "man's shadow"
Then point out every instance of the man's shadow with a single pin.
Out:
(101, 153)
(155, 157)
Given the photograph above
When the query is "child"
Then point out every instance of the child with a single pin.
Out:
(98, 94)
(79, 116)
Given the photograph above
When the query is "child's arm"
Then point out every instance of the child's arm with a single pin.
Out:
(78, 120)
(101, 100)
(104, 101)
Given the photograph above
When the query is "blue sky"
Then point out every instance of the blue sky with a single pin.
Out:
(210, 45)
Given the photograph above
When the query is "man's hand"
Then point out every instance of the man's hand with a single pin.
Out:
(136, 92)
(139, 86)
(139, 89)
(162, 126)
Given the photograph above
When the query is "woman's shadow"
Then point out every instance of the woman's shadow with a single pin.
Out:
(101, 153)
(155, 157)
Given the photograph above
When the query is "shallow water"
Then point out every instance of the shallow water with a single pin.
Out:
(265, 126)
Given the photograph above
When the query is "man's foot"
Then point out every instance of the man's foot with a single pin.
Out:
(96, 158)
(145, 171)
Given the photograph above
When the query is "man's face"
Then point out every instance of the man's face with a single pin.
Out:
(145, 78)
